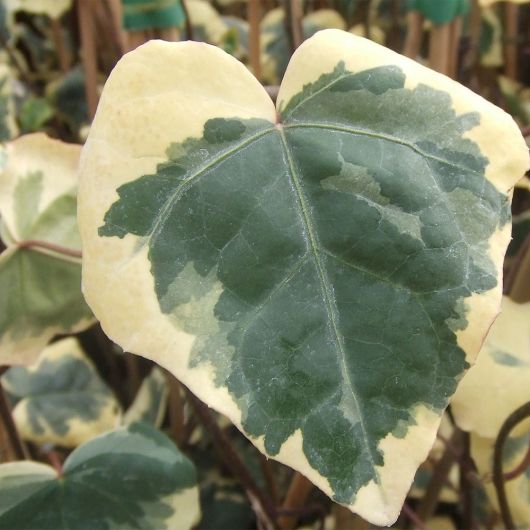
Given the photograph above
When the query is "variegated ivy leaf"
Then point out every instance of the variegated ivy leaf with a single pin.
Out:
(40, 288)
(67, 95)
(322, 273)
(208, 25)
(274, 42)
(490, 46)
(134, 477)
(235, 40)
(150, 403)
(376, 32)
(504, 364)
(516, 97)
(61, 399)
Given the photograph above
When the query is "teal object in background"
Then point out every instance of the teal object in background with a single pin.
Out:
(140, 15)
(440, 11)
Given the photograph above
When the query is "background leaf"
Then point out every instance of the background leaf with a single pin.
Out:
(41, 289)
(61, 399)
(130, 478)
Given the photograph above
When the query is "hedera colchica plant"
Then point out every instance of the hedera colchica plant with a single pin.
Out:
(322, 272)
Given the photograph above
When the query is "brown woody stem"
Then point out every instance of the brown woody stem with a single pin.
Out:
(17, 444)
(263, 508)
(52, 247)
(520, 468)
(299, 489)
(509, 424)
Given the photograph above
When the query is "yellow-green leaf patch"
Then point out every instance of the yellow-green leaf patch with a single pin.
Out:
(134, 477)
(41, 288)
(322, 272)
(61, 399)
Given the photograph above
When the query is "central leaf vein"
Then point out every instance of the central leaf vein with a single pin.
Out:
(316, 249)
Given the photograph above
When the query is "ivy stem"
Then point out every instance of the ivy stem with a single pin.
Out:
(509, 424)
(254, 18)
(263, 508)
(55, 462)
(299, 489)
(466, 485)
(19, 448)
(46, 245)
(439, 477)
(293, 20)
(187, 20)
(176, 410)
(414, 517)
(520, 468)
(270, 480)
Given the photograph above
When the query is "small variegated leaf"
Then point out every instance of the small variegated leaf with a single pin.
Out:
(275, 46)
(8, 126)
(67, 95)
(133, 477)
(34, 113)
(490, 46)
(516, 97)
(208, 25)
(61, 400)
(504, 365)
(150, 403)
(376, 32)
(40, 289)
(322, 272)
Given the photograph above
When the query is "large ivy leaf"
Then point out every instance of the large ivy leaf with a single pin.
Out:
(504, 365)
(129, 478)
(41, 294)
(324, 274)
(61, 399)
